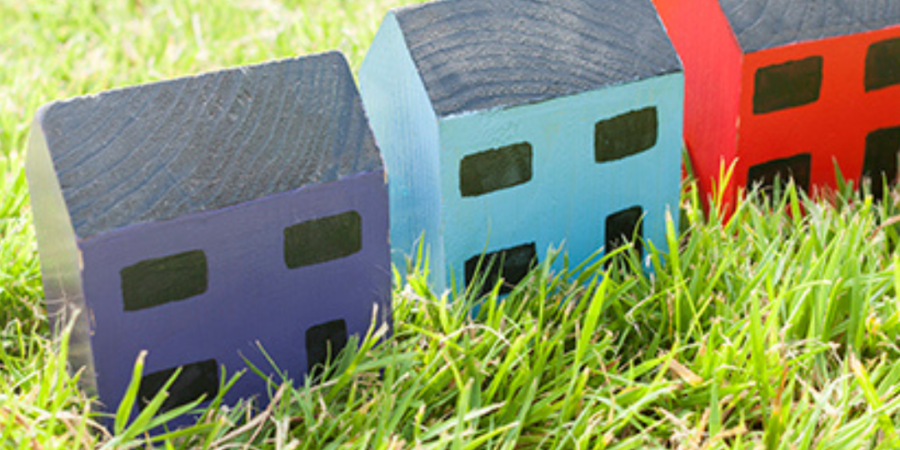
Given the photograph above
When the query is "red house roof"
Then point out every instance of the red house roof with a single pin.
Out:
(764, 24)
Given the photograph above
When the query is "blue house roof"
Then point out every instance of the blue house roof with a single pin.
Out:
(164, 150)
(476, 55)
(765, 24)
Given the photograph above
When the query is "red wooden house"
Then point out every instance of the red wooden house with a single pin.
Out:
(788, 88)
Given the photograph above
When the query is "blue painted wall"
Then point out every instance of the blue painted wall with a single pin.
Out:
(406, 130)
(569, 195)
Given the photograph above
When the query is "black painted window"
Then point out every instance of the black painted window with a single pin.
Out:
(154, 282)
(195, 380)
(625, 227)
(625, 135)
(883, 64)
(511, 265)
(880, 163)
(495, 169)
(788, 85)
(797, 167)
(324, 343)
(322, 240)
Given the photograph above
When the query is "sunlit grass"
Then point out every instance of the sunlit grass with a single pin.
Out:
(775, 329)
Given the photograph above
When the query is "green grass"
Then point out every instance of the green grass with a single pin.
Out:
(776, 329)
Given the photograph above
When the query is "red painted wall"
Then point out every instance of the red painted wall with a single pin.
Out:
(712, 60)
(720, 125)
(835, 126)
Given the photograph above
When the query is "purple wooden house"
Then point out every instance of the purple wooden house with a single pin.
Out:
(204, 217)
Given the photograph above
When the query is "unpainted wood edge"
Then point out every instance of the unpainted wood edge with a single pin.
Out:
(60, 257)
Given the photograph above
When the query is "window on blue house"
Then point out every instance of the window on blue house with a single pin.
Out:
(779, 171)
(324, 343)
(495, 169)
(625, 135)
(623, 228)
(158, 281)
(322, 240)
(511, 265)
(787, 85)
(880, 163)
(883, 64)
(194, 380)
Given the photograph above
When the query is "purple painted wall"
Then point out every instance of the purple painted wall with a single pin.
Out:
(252, 295)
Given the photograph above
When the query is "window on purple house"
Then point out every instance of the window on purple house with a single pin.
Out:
(194, 380)
(322, 240)
(155, 282)
(324, 343)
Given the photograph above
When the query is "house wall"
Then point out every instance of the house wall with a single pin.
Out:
(569, 195)
(406, 129)
(712, 62)
(833, 128)
(251, 297)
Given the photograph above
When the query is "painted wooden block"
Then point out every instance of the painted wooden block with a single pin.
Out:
(509, 126)
(788, 87)
(199, 217)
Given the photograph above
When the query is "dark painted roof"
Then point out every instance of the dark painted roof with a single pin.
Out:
(482, 54)
(163, 150)
(764, 24)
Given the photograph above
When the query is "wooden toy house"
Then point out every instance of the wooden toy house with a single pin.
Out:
(204, 217)
(509, 126)
(788, 87)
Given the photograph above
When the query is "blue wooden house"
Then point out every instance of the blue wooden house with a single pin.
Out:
(510, 126)
(204, 218)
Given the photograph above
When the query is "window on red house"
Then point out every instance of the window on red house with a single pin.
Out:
(880, 163)
(777, 172)
(787, 85)
(883, 64)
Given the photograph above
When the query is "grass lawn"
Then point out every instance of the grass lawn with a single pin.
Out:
(773, 330)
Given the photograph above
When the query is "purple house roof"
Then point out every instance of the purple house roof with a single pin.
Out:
(206, 142)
